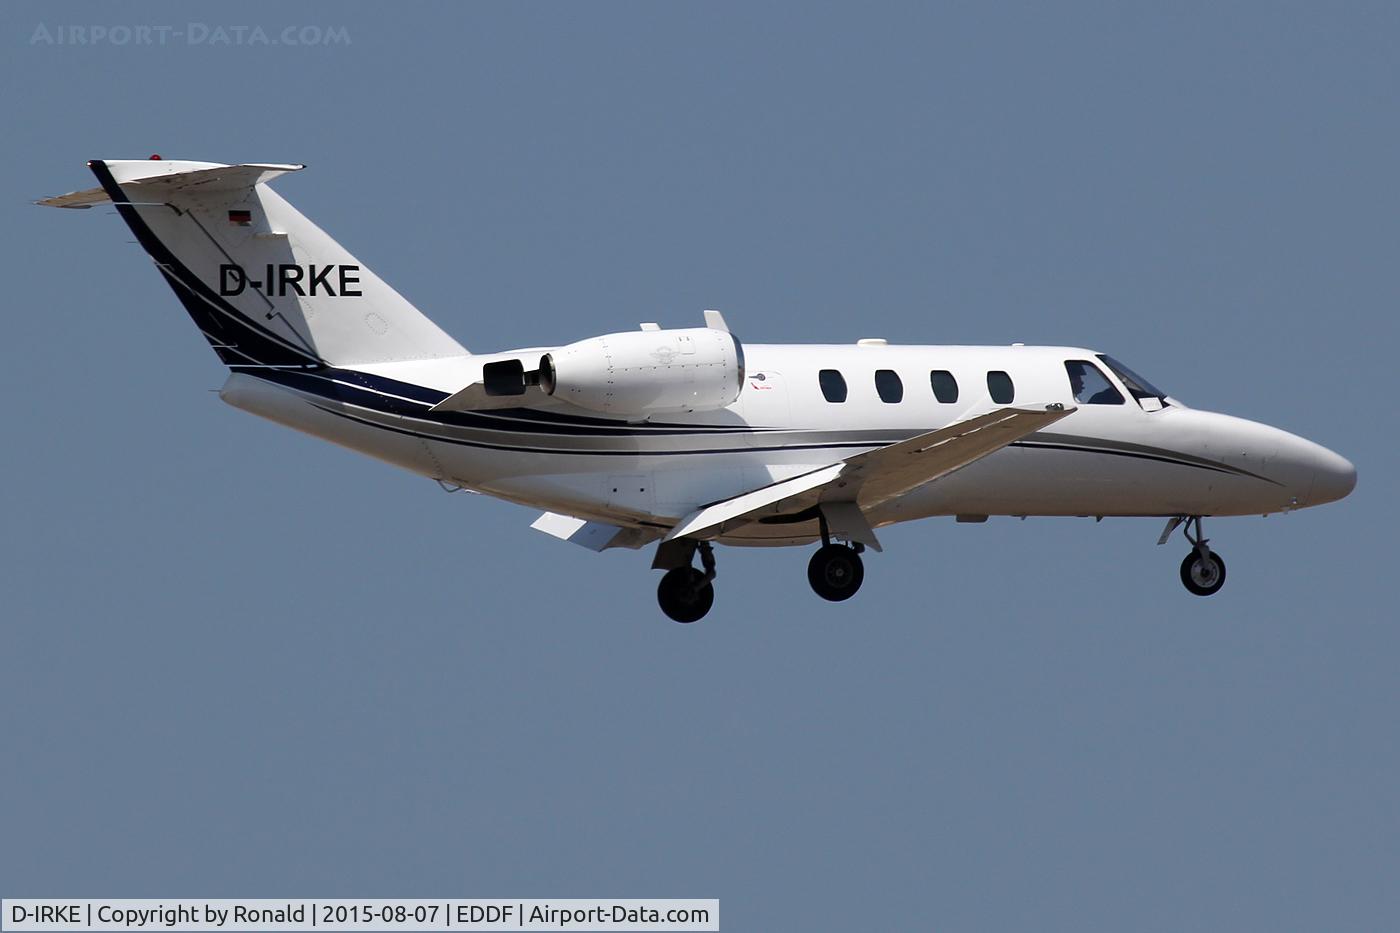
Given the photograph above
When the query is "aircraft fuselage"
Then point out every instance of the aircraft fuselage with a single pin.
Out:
(1129, 457)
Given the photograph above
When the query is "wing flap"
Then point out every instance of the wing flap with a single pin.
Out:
(596, 536)
(768, 500)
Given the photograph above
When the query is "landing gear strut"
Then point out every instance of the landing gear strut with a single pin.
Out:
(836, 570)
(686, 594)
(1202, 571)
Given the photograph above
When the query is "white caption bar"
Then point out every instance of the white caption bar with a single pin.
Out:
(333, 914)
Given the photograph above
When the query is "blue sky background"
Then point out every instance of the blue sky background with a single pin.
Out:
(241, 662)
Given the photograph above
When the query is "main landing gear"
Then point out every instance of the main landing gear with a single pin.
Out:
(1202, 570)
(686, 594)
(836, 570)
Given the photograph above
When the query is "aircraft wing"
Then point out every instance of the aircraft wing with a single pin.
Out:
(881, 474)
(845, 489)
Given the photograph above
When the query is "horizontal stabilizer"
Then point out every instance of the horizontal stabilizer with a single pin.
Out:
(77, 200)
(163, 183)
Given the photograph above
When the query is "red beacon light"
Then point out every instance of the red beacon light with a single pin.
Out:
(156, 158)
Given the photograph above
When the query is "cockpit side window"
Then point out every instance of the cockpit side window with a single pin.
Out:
(1137, 386)
(1089, 385)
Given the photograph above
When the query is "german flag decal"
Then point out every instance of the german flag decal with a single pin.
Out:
(241, 218)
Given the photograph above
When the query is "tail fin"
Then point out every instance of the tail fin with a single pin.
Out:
(265, 285)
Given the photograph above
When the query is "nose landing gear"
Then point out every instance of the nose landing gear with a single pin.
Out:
(1202, 570)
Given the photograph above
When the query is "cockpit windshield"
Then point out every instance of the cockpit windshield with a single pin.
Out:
(1139, 387)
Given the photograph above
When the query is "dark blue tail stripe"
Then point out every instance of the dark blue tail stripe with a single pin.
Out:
(229, 329)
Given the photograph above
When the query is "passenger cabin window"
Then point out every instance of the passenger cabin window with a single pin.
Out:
(833, 385)
(1001, 387)
(945, 387)
(1089, 385)
(888, 384)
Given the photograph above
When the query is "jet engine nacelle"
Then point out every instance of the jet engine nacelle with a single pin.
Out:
(647, 372)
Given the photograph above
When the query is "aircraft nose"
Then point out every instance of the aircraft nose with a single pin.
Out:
(1334, 477)
(1288, 471)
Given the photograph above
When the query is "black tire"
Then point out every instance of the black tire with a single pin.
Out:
(685, 595)
(835, 572)
(1204, 578)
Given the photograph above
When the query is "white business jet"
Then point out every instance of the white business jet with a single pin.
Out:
(687, 437)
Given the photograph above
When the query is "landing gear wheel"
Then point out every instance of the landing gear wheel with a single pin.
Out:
(1203, 575)
(685, 594)
(835, 572)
